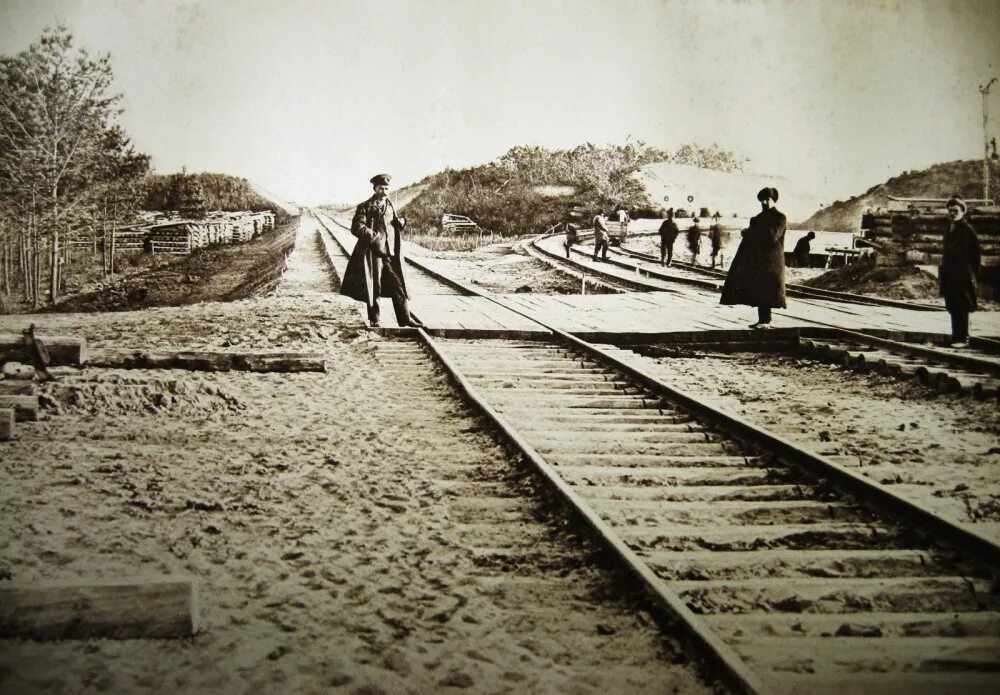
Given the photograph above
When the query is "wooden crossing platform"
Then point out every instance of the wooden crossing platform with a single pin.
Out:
(682, 308)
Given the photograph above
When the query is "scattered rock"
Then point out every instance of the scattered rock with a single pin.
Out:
(203, 506)
(278, 652)
(457, 679)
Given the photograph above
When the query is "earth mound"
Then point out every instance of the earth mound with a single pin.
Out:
(894, 282)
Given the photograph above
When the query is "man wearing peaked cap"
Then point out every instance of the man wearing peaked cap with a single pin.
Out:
(375, 268)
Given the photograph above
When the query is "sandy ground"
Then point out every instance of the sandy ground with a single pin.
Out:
(357, 529)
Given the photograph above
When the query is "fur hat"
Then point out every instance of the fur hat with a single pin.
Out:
(381, 179)
(765, 193)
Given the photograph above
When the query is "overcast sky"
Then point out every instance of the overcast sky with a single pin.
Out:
(311, 97)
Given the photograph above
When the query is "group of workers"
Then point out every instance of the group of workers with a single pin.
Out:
(756, 276)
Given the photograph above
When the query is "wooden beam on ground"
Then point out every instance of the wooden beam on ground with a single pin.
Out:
(6, 424)
(63, 350)
(161, 607)
(209, 361)
(24, 407)
(11, 387)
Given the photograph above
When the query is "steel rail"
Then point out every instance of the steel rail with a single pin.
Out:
(797, 290)
(961, 360)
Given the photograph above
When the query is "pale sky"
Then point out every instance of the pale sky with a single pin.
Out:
(310, 98)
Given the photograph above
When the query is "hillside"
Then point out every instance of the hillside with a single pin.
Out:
(963, 177)
(530, 189)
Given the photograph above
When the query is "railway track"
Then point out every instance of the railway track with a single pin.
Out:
(792, 584)
(789, 571)
(648, 266)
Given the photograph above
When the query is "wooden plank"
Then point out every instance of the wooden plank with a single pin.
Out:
(9, 387)
(6, 424)
(24, 407)
(63, 350)
(210, 361)
(153, 608)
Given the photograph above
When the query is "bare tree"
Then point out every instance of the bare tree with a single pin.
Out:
(57, 137)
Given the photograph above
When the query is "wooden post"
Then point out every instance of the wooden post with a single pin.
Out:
(6, 424)
(583, 283)
(159, 607)
(24, 407)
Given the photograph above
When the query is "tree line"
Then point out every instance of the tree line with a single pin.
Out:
(66, 165)
(69, 172)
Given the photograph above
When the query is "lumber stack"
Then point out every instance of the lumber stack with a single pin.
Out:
(921, 232)
(131, 238)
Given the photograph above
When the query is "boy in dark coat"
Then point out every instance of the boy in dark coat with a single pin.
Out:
(960, 262)
(668, 235)
(375, 268)
(757, 274)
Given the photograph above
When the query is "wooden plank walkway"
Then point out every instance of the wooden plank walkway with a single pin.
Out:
(663, 312)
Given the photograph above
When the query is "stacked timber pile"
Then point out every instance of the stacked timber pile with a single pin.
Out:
(19, 401)
(161, 234)
(131, 237)
(914, 228)
(172, 237)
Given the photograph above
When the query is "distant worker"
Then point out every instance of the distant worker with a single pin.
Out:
(572, 231)
(623, 220)
(668, 235)
(375, 268)
(715, 235)
(756, 276)
(693, 237)
(960, 262)
(601, 237)
(801, 252)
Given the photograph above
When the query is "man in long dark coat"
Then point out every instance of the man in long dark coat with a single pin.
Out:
(668, 235)
(960, 262)
(375, 268)
(756, 276)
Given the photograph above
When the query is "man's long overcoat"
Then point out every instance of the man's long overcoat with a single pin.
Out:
(959, 264)
(757, 274)
(373, 228)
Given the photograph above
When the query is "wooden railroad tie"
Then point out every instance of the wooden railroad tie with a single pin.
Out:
(24, 407)
(6, 424)
(129, 609)
(63, 350)
(210, 361)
